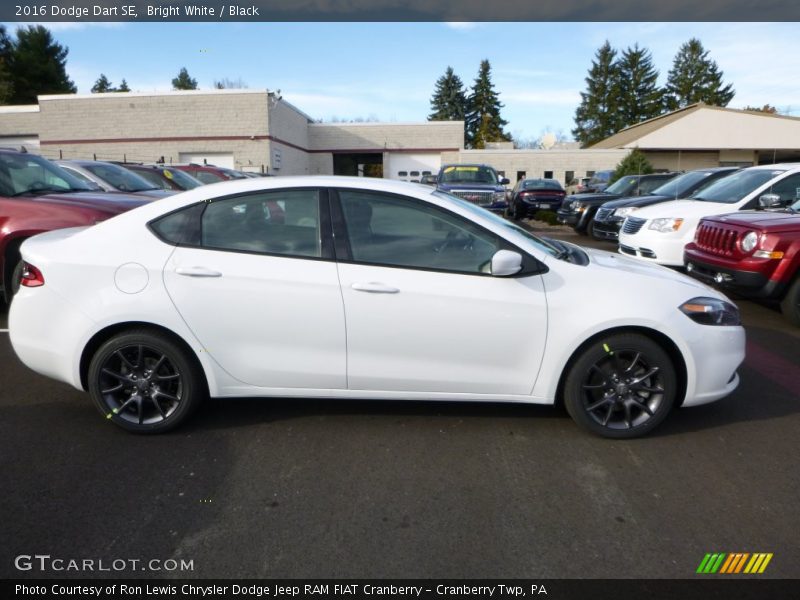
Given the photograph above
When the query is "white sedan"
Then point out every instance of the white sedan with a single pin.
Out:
(660, 232)
(335, 287)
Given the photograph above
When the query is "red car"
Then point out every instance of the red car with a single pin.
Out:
(210, 173)
(37, 195)
(756, 254)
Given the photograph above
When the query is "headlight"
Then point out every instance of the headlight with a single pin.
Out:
(624, 212)
(749, 241)
(711, 311)
(576, 205)
(497, 196)
(666, 225)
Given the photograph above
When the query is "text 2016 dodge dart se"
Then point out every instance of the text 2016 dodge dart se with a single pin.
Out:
(360, 288)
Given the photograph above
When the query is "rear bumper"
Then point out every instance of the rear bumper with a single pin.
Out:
(48, 346)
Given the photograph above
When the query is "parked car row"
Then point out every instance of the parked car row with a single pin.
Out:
(736, 228)
(38, 195)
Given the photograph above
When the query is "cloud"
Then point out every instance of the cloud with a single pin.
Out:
(461, 25)
(75, 25)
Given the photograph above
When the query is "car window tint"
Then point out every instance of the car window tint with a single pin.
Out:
(181, 227)
(788, 189)
(282, 222)
(153, 177)
(390, 230)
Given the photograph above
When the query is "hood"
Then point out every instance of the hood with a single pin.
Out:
(685, 209)
(637, 201)
(618, 263)
(776, 222)
(111, 202)
(493, 187)
(156, 194)
(593, 197)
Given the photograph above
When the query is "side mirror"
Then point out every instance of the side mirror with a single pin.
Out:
(770, 201)
(504, 181)
(505, 263)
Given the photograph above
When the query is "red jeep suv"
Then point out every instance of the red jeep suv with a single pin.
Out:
(756, 254)
(37, 195)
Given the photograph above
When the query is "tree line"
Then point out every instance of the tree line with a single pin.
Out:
(478, 107)
(621, 88)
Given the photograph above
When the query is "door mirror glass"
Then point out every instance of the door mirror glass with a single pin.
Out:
(770, 201)
(505, 263)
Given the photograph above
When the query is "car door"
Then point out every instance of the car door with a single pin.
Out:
(259, 289)
(423, 312)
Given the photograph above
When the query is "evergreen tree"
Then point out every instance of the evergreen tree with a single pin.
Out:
(449, 100)
(639, 96)
(123, 87)
(695, 78)
(183, 81)
(483, 120)
(634, 163)
(38, 66)
(102, 85)
(597, 116)
(6, 82)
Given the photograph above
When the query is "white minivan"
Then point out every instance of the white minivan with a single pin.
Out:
(659, 233)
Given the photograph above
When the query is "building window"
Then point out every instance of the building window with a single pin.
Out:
(520, 175)
(548, 174)
(402, 173)
(590, 173)
(569, 176)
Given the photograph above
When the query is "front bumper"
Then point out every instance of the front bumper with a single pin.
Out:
(654, 246)
(568, 217)
(755, 284)
(606, 230)
(716, 354)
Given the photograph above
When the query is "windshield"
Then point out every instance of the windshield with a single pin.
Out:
(468, 174)
(622, 186)
(735, 187)
(183, 180)
(30, 174)
(119, 177)
(207, 176)
(680, 185)
(483, 213)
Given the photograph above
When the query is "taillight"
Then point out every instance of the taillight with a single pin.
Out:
(31, 276)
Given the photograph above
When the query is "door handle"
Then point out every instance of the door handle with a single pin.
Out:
(197, 272)
(374, 288)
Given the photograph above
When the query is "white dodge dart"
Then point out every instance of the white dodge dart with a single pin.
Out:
(335, 287)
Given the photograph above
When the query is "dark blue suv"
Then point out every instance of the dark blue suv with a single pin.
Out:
(478, 184)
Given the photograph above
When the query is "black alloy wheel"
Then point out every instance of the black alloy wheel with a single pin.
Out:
(621, 387)
(144, 382)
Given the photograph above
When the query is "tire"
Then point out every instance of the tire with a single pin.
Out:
(13, 285)
(790, 305)
(142, 381)
(516, 214)
(590, 229)
(617, 408)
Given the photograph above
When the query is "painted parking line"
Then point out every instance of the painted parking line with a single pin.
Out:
(773, 366)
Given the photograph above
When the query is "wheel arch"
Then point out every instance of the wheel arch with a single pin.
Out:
(99, 338)
(658, 337)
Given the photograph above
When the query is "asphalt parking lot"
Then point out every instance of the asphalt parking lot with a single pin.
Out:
(316, 489)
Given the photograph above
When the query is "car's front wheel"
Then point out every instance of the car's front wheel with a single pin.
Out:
(622, 386)
(144, 382)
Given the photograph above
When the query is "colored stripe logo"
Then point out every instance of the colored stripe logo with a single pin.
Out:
(734, 563)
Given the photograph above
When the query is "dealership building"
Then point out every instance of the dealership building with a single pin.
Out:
(256, 130)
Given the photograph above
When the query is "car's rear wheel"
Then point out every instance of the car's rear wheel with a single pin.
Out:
(144, 382)
(621, 386)
(790, 305)
(517, 213)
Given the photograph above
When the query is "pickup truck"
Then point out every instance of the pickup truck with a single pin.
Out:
(478, 184)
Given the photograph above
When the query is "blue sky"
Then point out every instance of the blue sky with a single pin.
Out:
(387, 71)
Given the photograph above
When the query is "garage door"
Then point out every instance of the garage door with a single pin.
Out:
(218, 159)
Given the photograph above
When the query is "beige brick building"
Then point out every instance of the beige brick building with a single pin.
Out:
(256, 130)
